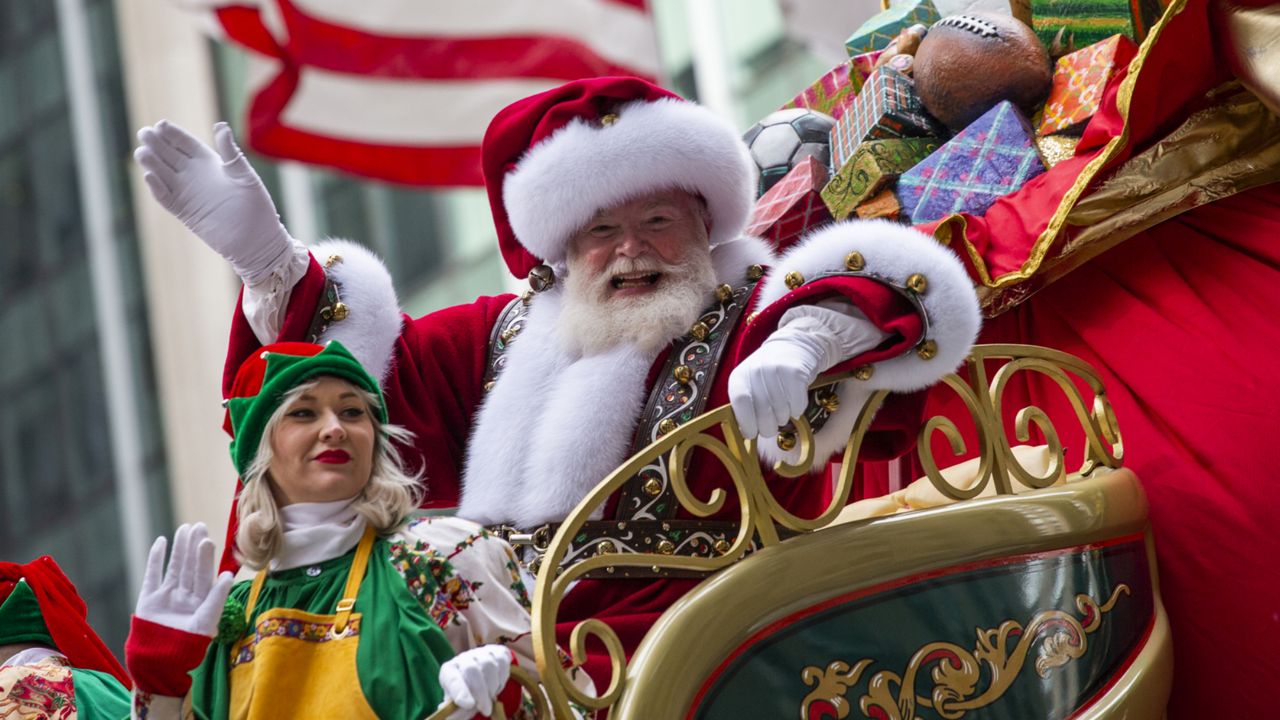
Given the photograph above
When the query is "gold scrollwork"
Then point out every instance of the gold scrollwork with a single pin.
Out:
(761, 516)
(956, 671)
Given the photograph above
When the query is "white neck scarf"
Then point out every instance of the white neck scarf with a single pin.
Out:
(315, 532)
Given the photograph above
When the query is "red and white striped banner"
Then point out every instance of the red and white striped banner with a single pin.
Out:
(402, 90)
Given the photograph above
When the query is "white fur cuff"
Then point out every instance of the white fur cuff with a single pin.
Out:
(373, 317)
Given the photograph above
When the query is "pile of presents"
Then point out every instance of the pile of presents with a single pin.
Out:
(891, 158)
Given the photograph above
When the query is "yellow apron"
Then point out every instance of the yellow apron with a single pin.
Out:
(300, 664)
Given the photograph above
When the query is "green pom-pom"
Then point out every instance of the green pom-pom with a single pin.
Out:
(232, 624)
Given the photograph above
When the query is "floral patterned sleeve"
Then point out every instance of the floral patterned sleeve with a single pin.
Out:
(469, 583)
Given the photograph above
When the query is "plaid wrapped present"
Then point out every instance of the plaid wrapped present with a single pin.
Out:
(883, 204)
(828, 94)
(992, 157)
(887, 107)
(884, 26)
(1089, 21)
(1079, 80)
(792, 207)
(874, 166)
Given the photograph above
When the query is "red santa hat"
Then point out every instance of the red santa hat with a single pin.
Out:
(38, 603)
(553, 160)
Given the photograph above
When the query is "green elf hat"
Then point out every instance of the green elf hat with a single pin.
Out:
(264, 379)
(21, 620)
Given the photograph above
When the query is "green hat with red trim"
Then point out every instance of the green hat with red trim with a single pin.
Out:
(265, 378)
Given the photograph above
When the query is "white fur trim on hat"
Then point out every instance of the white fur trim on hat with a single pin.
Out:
(373, 321)
(563, 181)
(892, 252)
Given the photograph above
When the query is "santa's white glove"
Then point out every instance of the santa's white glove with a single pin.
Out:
(772, 385)
(215, 194)
(473, 679)
(185, 597)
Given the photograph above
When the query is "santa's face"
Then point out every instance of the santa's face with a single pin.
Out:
(639, 273)
(630, 249)
(322, 448)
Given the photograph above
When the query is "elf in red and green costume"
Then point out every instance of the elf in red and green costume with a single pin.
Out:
(52, 664)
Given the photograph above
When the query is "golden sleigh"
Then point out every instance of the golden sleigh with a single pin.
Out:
(1039, 603)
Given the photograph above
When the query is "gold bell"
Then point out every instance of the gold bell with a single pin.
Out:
(652, 487)
(508, 334)
(927, 350)
(829, 401)
(332, 260)
(608, 119)
(854, 261)
(682, 373)
(755, 272)
(606, 547)
(666, 426)
(864, 372)
(786, 441)
(722, 547)
(724, 293)
(794, 279)
(542, 277)
(489, 385)
(699, 330)
(917, 283)
(666, 547)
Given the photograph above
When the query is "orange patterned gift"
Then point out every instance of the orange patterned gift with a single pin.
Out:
(1079, 82)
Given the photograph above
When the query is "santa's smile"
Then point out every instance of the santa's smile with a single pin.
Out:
(643, 279)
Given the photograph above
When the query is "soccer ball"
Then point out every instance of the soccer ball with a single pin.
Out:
(786, 137)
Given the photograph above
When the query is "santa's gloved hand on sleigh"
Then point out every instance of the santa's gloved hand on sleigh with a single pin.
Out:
(772, 385)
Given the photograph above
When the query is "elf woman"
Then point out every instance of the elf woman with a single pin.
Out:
(353, 613)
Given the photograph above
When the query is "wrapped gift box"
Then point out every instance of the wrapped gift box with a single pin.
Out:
(883, 204)
(887, 107)
(883, 27)
(828, 94)
(793, 206)
(873, 167)
(1090, 21)
(1079, 81)
(993, 156)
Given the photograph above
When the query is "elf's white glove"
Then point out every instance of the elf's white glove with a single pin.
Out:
(473, 679)
(217, 195)
(772, 385)
(186, 597)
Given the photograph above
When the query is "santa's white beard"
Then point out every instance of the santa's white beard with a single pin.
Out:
(592, 320)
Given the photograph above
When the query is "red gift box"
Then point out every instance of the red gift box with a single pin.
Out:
(1079, 82)
(792, 207)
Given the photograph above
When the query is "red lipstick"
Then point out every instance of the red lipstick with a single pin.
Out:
(333, 457)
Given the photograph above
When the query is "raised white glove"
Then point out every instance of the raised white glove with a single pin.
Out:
(772, 385)
(186, 597)
(473, 679)
(215, 194)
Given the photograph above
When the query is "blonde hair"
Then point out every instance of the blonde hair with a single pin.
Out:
(391, 494)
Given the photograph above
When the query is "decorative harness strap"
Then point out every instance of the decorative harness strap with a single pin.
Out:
(510, 323)
(644, 521)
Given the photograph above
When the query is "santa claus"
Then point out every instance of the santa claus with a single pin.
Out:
(624, 205)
